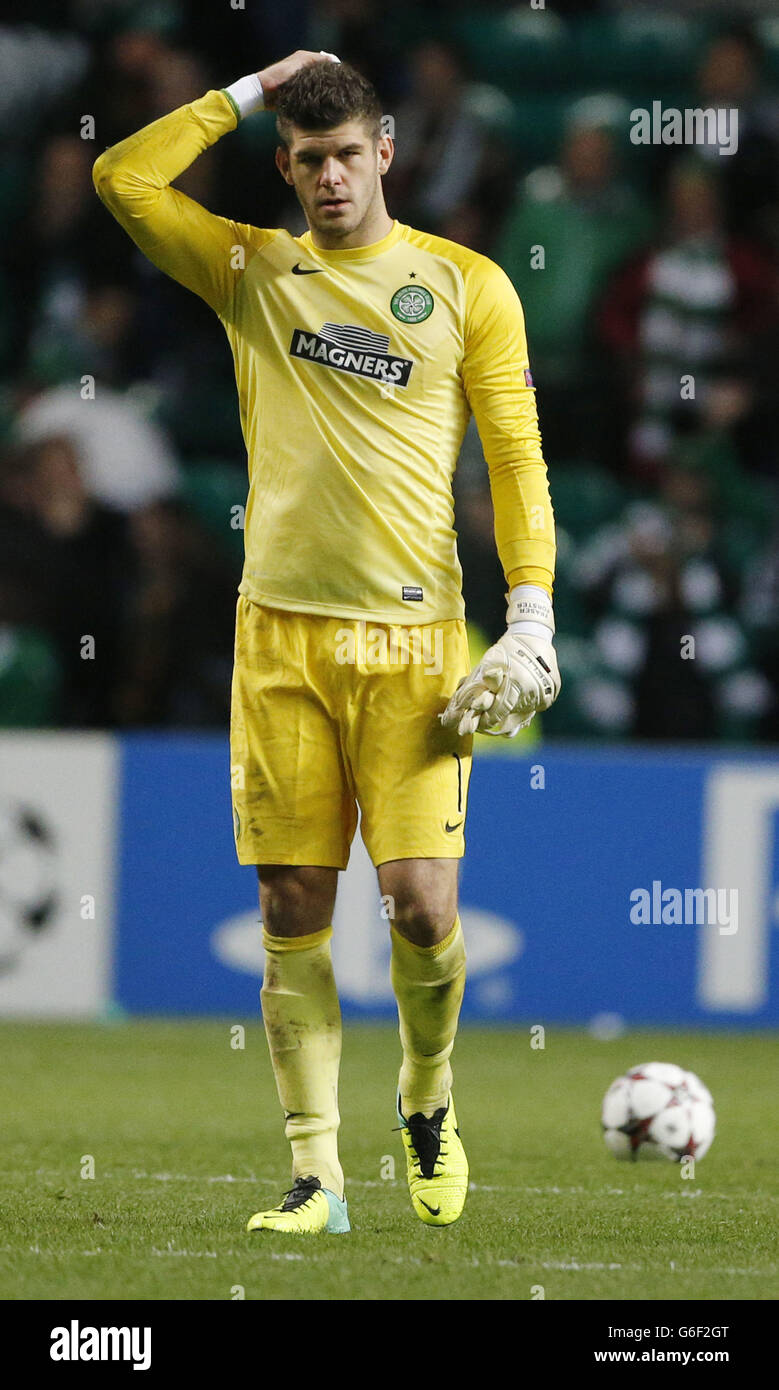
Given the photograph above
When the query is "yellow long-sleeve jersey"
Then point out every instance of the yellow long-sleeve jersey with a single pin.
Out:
(357, 370)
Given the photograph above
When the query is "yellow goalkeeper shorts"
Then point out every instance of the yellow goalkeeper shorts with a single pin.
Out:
(329, 714)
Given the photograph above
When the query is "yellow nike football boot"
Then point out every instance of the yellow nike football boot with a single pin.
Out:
(308, 1209)
(436, 1164)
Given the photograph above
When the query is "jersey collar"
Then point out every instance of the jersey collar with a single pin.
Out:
(354, 253)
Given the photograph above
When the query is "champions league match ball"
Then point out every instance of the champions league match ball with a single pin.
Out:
(658, 1111)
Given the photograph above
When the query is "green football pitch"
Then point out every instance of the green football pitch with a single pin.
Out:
(182, 1131)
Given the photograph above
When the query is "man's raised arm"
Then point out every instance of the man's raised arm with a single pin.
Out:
(134, 179)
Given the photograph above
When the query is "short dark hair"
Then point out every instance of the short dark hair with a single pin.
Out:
(323, 95)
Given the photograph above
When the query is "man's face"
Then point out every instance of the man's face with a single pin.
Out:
(336, 175)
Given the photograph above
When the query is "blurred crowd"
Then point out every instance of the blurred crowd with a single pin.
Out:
(648, 274)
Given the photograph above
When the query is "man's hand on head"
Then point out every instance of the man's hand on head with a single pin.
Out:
(277, 74)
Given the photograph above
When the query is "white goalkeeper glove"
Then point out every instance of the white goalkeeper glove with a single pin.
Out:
(516, 677)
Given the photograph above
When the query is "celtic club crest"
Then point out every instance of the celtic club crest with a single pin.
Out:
(412, 304)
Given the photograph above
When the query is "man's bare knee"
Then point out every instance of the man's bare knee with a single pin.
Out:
(296, 899)
(423, 897)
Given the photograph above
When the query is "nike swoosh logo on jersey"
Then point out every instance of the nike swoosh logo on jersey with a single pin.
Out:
(434, 1211)
(298, 269)
(449, 828)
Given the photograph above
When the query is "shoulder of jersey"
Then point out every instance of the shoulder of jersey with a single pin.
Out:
(467, 260)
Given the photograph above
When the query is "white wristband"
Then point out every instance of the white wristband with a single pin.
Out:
(246, 95)
(530, 611)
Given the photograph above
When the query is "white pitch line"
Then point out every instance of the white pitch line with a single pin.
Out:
(190, 1254)
(571, 1266)
(476, 1187)
(229, 1254)
(140, 1175)
(575, 1265)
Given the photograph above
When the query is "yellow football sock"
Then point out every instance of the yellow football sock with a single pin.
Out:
(428, 982)
(302, 1019)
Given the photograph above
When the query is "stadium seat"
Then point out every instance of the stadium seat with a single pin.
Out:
(768, 33)
(626, 48)
(29, 679)
(571, 614)
(202, 420)
(592, 703)
(520, 48)
(493, 109)
(745, 503)
(582, 247)
(211, 489)
(538, 125)
(585, 497)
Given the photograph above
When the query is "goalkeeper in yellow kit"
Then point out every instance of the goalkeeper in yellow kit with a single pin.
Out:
(360, 349)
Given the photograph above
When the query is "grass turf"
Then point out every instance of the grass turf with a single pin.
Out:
(185, 1132)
